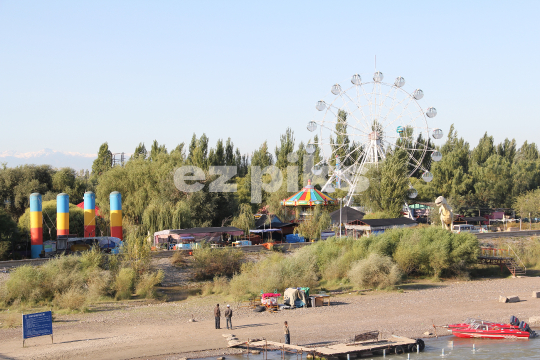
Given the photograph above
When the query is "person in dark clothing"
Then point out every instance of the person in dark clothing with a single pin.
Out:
(228, 316)
(217, 315)
(287, 334)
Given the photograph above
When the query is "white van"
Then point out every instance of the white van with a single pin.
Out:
(464, 228)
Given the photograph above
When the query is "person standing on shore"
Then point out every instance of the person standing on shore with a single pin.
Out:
(228, 316)
(217, 315)
(287, 334)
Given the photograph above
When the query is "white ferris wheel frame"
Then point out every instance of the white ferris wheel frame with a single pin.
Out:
(373, 144)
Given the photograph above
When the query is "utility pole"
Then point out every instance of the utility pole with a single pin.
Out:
(340, 209)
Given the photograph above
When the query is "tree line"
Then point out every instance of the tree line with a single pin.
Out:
(486, 176)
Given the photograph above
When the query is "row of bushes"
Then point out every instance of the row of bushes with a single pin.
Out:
(376, 261)
(75, 281)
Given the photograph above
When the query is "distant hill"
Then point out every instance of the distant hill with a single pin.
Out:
(51, 157)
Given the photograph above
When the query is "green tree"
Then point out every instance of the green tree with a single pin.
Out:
(192, 147)
(156, 150)
(507, 149)
(200, 153)
(286, 147)
(103, 163)
(140, 152)
(262, 157)
(16, 185)
(341, 145)
(388, 185)
(315, 224)
(229, 153)
(66, 181)
(219, 155)
(179, 152)
(451, 177)
(527, 152)
(9, 234)
(483, 150)
(525, 176)
(245, 219)
(493, 182)
(528, 204)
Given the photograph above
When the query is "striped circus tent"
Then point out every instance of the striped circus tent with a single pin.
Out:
(309, 196)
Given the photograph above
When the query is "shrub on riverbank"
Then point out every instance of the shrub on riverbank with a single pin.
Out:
(426, 251)
(75, 281)
(210, 262)
(376, 271)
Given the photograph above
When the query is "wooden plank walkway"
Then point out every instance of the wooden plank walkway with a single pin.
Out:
(333, 350)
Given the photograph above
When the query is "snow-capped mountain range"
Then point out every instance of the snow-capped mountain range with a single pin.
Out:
(51, 157)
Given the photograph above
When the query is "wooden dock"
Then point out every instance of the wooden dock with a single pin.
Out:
(396, 345)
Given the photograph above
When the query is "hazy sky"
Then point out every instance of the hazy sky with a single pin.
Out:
(74, 74)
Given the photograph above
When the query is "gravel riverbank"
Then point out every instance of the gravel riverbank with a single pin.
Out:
(137, 329)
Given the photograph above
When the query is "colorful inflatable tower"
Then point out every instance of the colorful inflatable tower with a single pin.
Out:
(89, 214)
(116, 215)
(62, 214)
(36, 225)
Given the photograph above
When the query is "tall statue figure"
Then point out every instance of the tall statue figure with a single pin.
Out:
(447, 215)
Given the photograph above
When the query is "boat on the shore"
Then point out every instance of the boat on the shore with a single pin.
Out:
(513, 324)
(473, 328)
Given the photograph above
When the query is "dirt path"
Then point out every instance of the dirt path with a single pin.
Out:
(162, 330)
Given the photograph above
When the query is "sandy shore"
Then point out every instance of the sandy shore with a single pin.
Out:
(162, 330)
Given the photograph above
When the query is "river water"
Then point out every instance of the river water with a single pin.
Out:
(454, 348)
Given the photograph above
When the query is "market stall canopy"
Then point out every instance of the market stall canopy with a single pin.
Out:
(201, 232)
(348, 214)
(309, 196)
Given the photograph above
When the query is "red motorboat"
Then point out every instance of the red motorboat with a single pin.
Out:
(473, 328)
(514, 324)
(485, 331)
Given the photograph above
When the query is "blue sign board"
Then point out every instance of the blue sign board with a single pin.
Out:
(37, 324)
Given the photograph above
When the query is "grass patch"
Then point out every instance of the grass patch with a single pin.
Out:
(147, 284)
(10, 319)
(209, 263)
(74, 282)
(124, 283)
(72, 299)
(178, 259)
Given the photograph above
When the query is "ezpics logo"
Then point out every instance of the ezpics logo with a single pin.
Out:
(346, 177)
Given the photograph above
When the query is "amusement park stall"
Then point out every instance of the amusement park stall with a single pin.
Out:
(195, 235)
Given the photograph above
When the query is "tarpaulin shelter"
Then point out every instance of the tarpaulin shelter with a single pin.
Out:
(209, 233)
(292, 295)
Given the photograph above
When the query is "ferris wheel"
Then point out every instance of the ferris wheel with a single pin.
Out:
(358, 126)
